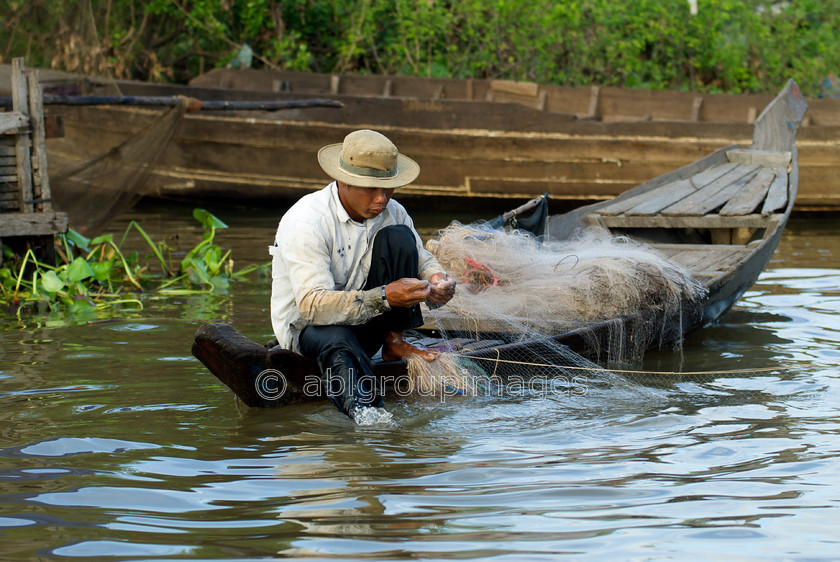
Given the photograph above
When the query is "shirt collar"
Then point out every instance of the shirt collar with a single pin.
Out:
(340, 211)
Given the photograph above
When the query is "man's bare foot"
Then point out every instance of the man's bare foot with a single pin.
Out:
(395, 348)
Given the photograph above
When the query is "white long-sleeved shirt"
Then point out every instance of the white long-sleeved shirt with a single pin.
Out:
(320, 262)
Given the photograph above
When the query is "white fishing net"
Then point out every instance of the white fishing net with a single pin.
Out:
(517, 291)
(513, 281)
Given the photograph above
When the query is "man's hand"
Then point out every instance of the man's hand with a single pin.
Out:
(406, 292)
(441, 289)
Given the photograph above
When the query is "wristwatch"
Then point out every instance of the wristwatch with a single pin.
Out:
(385, 299)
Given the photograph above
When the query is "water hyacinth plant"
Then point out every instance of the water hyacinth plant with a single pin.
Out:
(96, 273)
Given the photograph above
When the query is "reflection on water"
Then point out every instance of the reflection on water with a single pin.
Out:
(115, 442)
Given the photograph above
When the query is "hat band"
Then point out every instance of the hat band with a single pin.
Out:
(366, 172)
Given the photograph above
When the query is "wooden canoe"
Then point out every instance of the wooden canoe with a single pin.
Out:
(720, 217)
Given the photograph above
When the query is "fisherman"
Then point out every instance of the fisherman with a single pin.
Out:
(349, 270)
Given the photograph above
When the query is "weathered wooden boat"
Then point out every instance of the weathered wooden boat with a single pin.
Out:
(619, 138)
(720, 217)
(477, 140)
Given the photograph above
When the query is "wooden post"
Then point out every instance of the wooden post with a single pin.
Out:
(594, 102)
(696, 108)
(20, 104)
(40, 173)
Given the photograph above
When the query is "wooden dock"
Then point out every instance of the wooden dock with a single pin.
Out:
(27, 218)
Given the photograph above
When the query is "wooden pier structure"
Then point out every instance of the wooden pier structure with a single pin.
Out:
(27, 218)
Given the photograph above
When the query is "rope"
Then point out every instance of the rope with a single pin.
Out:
(498, 360)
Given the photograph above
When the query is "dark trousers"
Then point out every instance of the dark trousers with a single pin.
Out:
(344, 352)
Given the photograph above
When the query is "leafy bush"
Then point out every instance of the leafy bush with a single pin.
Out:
(729, 45)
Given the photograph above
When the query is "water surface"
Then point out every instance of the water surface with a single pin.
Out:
(115, 442)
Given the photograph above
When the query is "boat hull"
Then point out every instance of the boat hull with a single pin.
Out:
(468, 149)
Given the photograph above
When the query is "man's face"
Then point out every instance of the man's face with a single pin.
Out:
(363, 202)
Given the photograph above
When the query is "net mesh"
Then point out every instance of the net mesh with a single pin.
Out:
(517, 290)
(521, 284)
(94, 191)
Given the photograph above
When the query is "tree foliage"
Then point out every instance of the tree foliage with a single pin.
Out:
(729, 45)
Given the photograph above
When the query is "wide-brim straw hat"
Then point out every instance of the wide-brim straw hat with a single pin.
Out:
(368, 159)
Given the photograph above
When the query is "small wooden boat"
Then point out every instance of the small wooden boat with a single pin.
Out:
(720, 217)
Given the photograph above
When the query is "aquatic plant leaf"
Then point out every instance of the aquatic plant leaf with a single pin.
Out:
(78, 240)
(196, 271)
(220, 282)
(78, 270)
(102, 270)
(102, 239)
(83, 308)
(51, 282)
(212, 257)
(207, 219)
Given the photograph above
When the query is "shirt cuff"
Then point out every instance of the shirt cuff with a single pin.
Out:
(373, 301)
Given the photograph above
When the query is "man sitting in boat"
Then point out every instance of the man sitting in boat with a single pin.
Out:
(350, 271)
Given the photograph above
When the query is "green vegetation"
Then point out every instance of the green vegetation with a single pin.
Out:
(98, 274)
(729, 45)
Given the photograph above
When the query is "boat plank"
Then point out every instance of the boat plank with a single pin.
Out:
(750, 197)
(730, 262)
(671, 249)
(669, 195)
(653, 201)
(652, 207)
(665, 192)
(707, 275)
(708, 259)
(777, 194)
(712, 195)
(705, 177)
(706, 221)
(760, 157)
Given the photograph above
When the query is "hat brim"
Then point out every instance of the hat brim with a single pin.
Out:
(406, 171)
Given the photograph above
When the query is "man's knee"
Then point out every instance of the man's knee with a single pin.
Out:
(397, 236)
(394, 256)
(318, 340)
